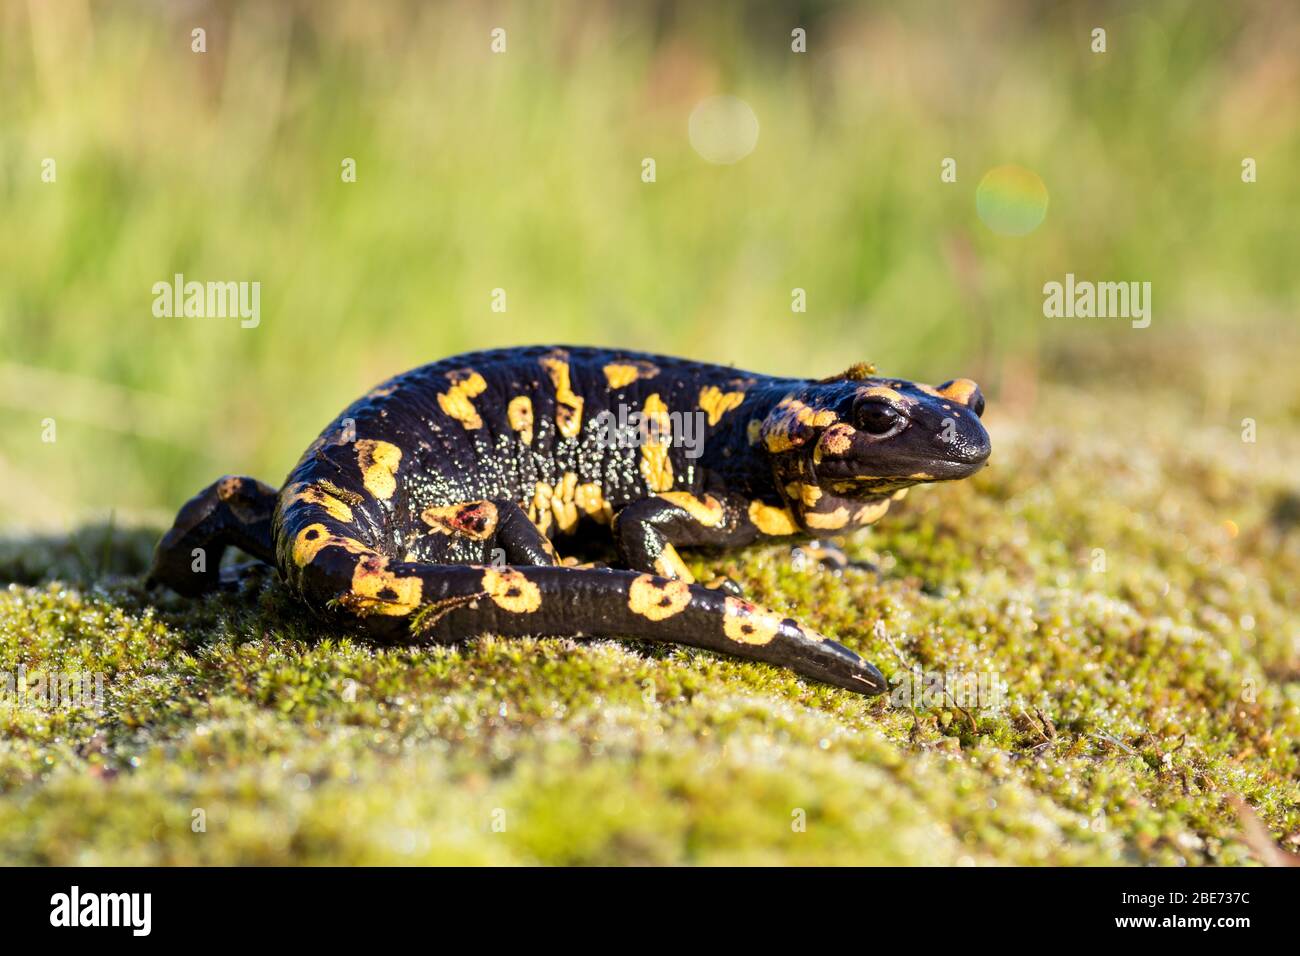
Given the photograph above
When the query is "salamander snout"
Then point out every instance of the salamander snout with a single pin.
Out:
(835, 664)
(959, 444)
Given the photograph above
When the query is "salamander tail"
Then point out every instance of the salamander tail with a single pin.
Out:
(433, 602)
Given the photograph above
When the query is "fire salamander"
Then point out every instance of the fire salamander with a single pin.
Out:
(429, 510)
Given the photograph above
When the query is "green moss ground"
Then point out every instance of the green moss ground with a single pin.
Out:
(1139, 699)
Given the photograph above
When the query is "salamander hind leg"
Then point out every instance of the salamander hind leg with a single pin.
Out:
(231, 512)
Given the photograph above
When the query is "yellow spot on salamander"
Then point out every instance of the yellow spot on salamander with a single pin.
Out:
(314, 538)
(881, 391)
(658, 600)
(378, 462)
(803, 492)
(656, 466)
(792, 423)
(747, 623)
(376, 590)
(778, 440)
(456, 401)
(836, 440)
(622, 374)
(818, 418)
(960, 390)
(754, 431)
(827, 520)
(309, 543)
(510, 590)
(520, 414)
(318, 495)
(568, 404)
(229, 486)
(772, 520)
(872, 511)
(708, 512)
(716, 403)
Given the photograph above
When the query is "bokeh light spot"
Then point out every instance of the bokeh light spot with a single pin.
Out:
(1011, 200)
(723, 129)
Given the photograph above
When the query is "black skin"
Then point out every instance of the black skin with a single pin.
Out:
(427, 510)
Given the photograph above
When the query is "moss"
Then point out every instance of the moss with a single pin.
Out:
(1137, 696)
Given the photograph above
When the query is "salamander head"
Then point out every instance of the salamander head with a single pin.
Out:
(861, 437)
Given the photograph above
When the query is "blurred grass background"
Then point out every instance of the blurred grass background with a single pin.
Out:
(522, 171)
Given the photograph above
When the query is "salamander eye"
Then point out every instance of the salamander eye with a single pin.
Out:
(876, 418)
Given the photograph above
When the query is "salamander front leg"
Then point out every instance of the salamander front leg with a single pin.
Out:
(647, 532)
